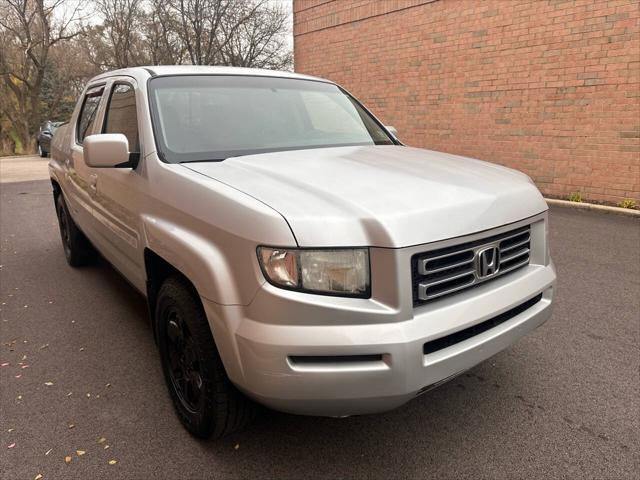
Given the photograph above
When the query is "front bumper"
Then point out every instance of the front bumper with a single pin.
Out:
(390, 368)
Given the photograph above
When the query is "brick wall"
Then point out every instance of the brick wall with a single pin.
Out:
(550, 87)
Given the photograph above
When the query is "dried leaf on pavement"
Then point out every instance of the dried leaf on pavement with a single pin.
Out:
(11, 445)
(48, 452)
(102, 440)
(67, 459)
(38, 476)
(112, 462)
(48, 384)
(80, 452)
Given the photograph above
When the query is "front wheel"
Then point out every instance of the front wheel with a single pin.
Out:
(205, 400)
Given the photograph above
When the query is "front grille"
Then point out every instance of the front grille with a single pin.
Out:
(462, 335)
(447, 270)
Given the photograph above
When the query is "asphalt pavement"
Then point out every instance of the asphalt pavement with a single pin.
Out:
(83, 379)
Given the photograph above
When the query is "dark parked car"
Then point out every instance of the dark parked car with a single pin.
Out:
(45, 135)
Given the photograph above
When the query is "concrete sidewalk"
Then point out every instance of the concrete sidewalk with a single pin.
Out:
(23, 168)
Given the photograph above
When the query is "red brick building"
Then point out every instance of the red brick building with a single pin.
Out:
(550, 87)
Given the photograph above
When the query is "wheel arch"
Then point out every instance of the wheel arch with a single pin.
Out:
(56, 188)
(157, 271)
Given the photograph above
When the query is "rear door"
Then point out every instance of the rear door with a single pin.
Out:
(81, 179)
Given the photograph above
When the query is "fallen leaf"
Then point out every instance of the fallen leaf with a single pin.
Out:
(71, 425)
(44, 346)
(82, 349)
(112, 462)
(48, 384)
(11, 445)
(106, 447)
(69, 394)
(237, 446)
(18, 376)
(88, 395)
(38, 476)
(48, 452)
(80, 452)
(19, 397)
(24, 357)
(24, 366)
(6, 364)
(102, 440)
(67, 459)
(11, 430)
(108, 385)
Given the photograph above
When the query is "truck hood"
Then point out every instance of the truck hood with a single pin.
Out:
(383, 196)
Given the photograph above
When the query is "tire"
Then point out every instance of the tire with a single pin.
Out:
(205, 400)
(42, 152)
(77, 249)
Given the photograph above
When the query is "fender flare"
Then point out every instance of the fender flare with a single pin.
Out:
(195, 257)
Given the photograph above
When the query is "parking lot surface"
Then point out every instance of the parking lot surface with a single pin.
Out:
(83, 372)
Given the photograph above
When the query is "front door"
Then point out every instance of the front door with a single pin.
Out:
(116, 206)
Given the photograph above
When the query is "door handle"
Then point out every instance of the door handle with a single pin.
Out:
(93, 181)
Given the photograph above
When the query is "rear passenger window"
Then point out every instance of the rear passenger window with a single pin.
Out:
(88, 113)
(121, 115)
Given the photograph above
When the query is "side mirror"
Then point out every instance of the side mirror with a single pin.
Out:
(106, 150)
(392, 129)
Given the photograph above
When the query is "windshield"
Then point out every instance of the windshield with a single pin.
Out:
(214, 117)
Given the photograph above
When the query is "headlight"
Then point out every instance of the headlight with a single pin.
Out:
(342, 272)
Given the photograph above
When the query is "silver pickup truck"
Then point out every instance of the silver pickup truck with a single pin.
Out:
(292, 251)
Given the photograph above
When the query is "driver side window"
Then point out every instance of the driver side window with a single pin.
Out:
(121, 116)
(88, 113)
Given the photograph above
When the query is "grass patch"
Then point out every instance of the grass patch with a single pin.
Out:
(575, 197)
(628, 203)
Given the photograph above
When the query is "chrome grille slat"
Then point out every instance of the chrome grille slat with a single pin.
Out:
(428, 271)
(447, 270)
(516, 245)
(461, 287)
(517, 265)
(510, 257)
(509, 237)
(448, 279)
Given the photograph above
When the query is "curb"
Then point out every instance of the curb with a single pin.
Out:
(629, 212)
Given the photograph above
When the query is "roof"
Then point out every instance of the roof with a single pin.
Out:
(163, 70)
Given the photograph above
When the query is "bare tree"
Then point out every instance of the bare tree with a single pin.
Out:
(259, 39)
(118, 41)
(161, 29)
(204, 26)
(28, 33)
